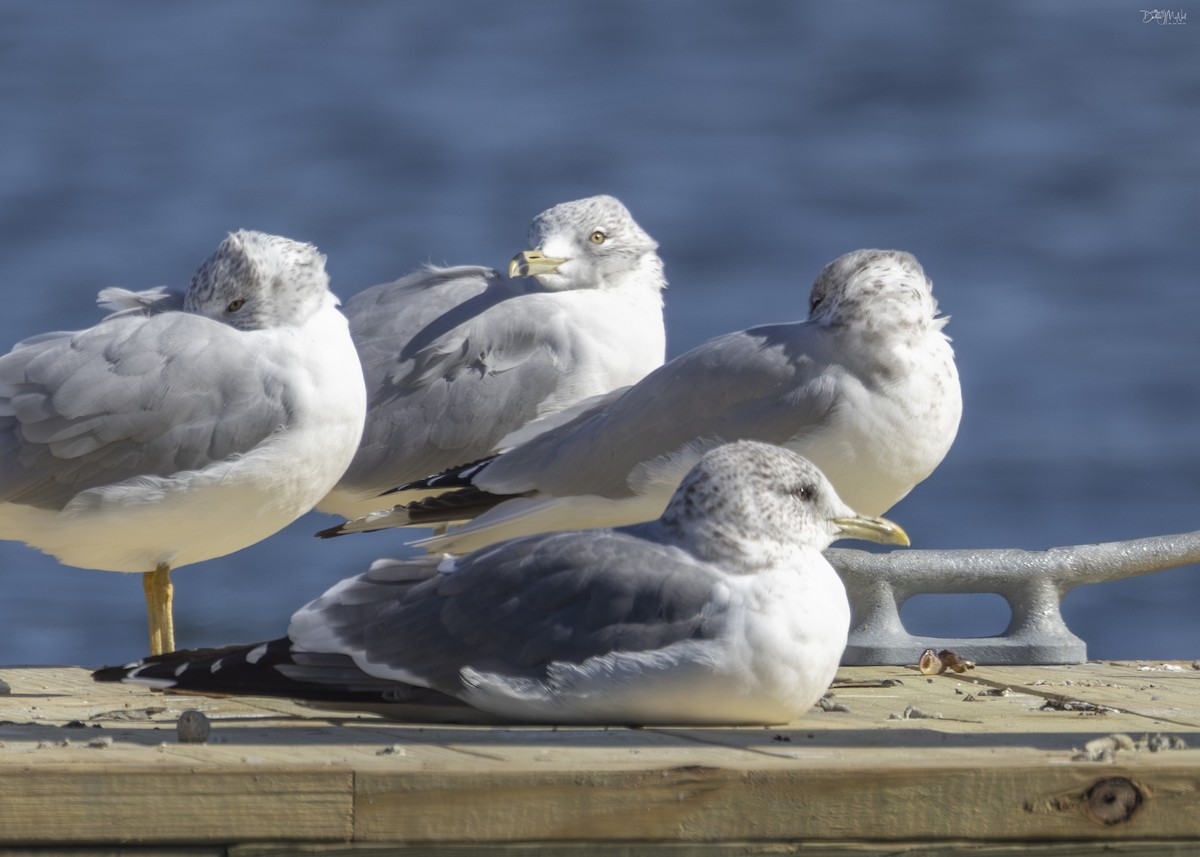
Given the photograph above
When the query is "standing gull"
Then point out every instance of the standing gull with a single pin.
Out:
(866, 388)
(167, 436)
(457, 358)
(722, 611)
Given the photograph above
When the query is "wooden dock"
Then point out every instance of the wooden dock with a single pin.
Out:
(1001, 760)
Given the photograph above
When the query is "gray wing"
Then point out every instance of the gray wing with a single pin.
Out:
(454, 360)
(515, 608)
(767, 383)
(120, 302)
(135, 395)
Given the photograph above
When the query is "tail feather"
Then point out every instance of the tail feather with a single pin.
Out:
(464, 504)
(271, 669)
(454, 507)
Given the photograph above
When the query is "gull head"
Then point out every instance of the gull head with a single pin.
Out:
(878, 289)
(750, 504)
(588, 243)
(255, 281)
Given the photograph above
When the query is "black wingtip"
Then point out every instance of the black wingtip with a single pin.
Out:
(419, 485)
(333, 532)
(111, 673)
(458, 476)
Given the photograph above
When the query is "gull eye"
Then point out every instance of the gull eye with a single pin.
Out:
(803, 492)
(597, 237)
(235, 305)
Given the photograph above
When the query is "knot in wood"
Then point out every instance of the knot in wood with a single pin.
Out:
(1113, 800)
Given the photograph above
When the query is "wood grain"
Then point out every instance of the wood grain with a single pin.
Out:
(904, 761)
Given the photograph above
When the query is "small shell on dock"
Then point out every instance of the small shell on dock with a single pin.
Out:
(193, 727)
(932, 663)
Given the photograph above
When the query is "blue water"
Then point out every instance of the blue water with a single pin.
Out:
(1041, 160)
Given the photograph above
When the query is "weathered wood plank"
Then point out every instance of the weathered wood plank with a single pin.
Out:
(115, 851)
(59, 805)
(885, 799)
(725, 849)
(994, 766)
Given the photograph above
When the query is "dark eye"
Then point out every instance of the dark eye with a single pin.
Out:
(235, 305)
(597, 237)
(803, 492)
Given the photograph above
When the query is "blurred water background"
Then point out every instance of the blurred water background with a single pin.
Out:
(1041, 160)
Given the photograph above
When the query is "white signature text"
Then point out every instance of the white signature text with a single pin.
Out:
(1163, 16)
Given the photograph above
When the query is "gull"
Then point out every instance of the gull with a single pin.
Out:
(457, 358)
(169, 434)
(866, 388)
(722, 611)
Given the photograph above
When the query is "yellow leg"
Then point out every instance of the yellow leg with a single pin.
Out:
(158, 591)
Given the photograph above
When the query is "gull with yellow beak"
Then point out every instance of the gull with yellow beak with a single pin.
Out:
(721, 611)
(865, 388)
(458, 358)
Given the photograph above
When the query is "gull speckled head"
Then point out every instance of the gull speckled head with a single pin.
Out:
(587, 243)
(870, 286)
(760, 499)
(255, 280)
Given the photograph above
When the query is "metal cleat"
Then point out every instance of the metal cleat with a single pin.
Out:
(1032, 582)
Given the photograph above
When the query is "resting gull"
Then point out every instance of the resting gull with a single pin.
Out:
(457, 358)
(722, 611)
(173, 432)
(866, 388)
